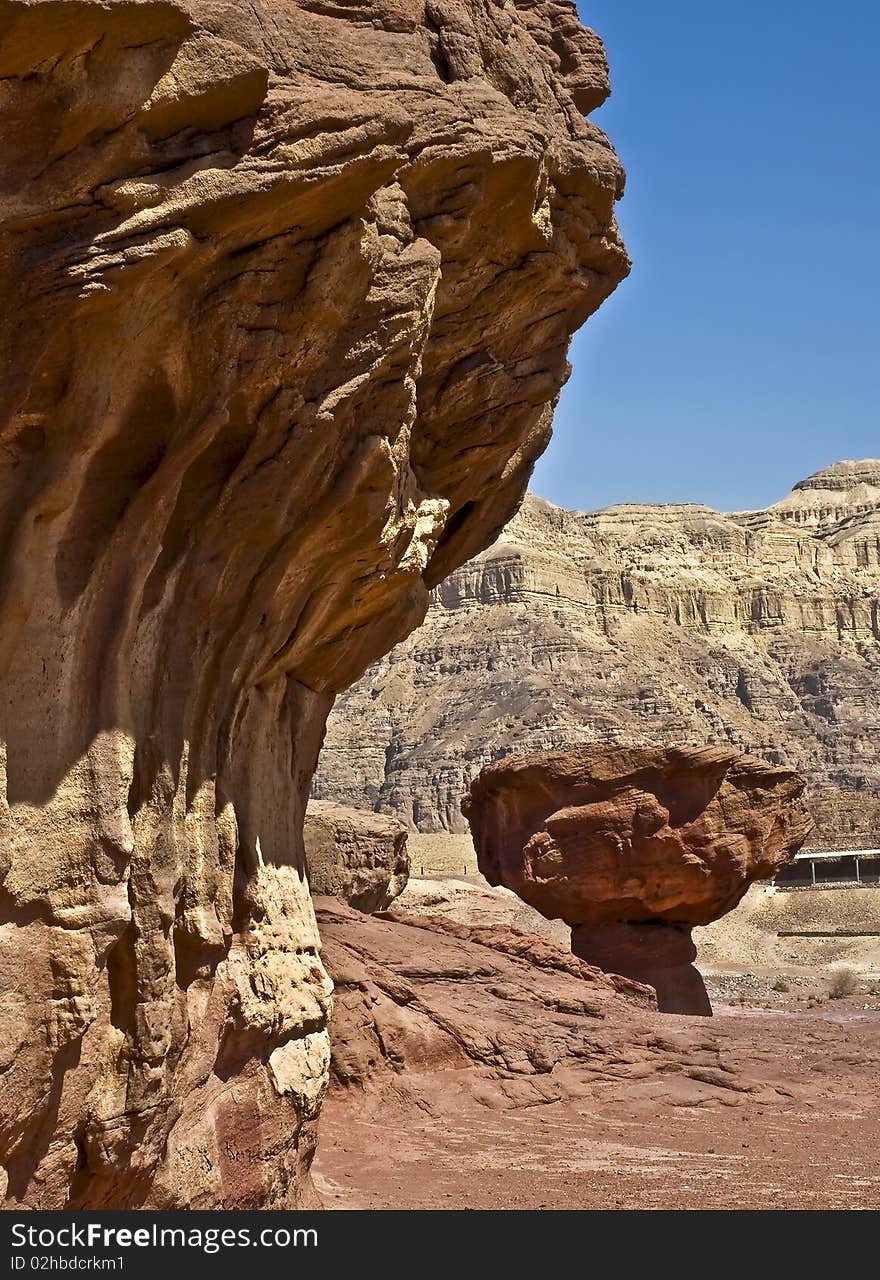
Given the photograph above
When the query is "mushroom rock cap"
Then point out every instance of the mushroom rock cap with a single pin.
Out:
(596, 835)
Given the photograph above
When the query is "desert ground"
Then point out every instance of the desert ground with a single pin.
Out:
(771, 1104)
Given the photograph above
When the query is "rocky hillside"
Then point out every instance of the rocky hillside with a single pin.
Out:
(652, 624)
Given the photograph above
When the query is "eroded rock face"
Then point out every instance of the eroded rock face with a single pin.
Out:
(659, 954)
(356, 856)
(288, 296)
(460, 1045)
(634, 846)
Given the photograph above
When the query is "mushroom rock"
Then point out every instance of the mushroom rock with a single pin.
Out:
(289, 288)
(355, 855)
(633, 846)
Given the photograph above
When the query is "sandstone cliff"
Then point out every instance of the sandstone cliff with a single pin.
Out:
(288, 290)
(663, 624)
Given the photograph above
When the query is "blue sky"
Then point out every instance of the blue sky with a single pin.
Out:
(743, 353)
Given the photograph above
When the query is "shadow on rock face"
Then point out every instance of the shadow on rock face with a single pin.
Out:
(659, 955)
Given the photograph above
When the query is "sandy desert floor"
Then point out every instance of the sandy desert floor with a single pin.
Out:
(632, 1145)
(788, 1119)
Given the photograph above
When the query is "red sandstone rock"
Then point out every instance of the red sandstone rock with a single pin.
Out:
(596, 834)
(612, 838)
(660, 955)
(418, 995)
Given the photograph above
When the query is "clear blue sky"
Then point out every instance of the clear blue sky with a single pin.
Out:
(743, 353)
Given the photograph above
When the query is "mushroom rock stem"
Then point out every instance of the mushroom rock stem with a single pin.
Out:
(656, 954)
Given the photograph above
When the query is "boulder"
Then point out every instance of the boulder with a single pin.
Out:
(357, 856)
(633, 846)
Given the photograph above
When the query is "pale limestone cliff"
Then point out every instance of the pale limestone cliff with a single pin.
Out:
(288, 290)
(639, 624)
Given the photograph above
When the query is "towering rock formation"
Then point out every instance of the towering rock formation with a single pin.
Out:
(288, 290)
(633, 846)
(665, 624)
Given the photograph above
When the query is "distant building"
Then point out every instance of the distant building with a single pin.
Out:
(831, 869)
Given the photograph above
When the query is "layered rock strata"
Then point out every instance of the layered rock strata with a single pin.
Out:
(288, 288)
(646, 624)
(356, 856)
(633, 847)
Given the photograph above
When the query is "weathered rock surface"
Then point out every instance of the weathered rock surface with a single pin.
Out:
(469, 1075)
(659, 954)
(288, 294)
(635, 846)
(596, 834)
(664, 624)
(423, 993)
(355, 855)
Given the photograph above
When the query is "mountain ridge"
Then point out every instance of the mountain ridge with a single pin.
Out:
(671, 623)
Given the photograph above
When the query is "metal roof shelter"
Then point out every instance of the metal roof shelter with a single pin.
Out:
(830, 868)
(804, 856)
